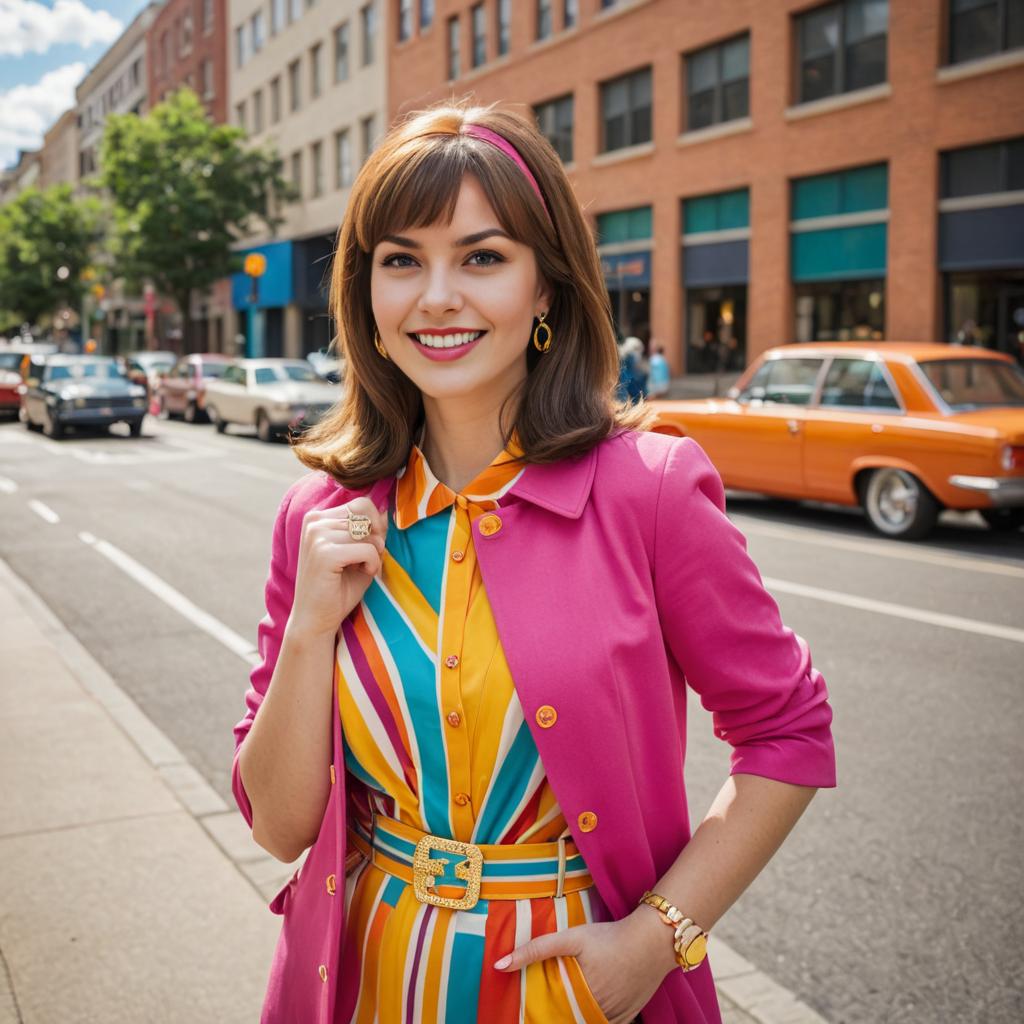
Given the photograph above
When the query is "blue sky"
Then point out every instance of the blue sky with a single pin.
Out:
(46, 46)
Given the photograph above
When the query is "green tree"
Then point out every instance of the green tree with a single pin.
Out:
(184, 190)
(47, 240)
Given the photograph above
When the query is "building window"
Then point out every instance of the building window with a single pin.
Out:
(626, 110)
(368, 128)
(570, 13)
(404, 20)
(841, 48)
(543, 19)
(342, 159)
(368, 20)
(316, 153)
(980, 28)
(275, 99)
(316, 77)
(504, 26)
(294, 93)
(555, 121)
(426, 13)
(276, 16)
(297, 171)
(294, 10)
(164, 56)
(186, 34)
(136, 73)
(207, 17)
(341, 52)
(983, 170)
(840, 310)
(453, 48)
(206, 76)
(240, 114)
(241, 53)
(718, 83)
(257, 32)
(257, 112)
(478, 22)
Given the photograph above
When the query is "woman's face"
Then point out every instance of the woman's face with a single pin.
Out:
(431, 280)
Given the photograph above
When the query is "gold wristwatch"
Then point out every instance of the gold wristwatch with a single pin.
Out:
(691, 942)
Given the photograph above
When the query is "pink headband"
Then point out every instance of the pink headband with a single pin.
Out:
(479, 132)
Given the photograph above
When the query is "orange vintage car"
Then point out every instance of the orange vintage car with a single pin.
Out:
(903, 429)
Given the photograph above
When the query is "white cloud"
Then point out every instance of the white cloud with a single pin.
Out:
(27, 26)
(28, 111)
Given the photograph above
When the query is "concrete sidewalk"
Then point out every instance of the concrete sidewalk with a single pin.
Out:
(129, 890)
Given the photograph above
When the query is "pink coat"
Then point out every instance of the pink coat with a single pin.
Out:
(615, 580)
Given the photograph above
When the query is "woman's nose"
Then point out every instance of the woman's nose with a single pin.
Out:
(439, 292)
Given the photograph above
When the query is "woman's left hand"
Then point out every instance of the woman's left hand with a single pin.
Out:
(617, 960)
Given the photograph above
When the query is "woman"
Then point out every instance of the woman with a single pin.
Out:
(481, 606)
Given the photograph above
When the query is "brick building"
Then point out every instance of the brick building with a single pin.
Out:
(762, 172)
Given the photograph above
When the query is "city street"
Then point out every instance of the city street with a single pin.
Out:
(899, 897)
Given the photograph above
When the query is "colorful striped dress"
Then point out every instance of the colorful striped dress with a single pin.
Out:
(434, 737)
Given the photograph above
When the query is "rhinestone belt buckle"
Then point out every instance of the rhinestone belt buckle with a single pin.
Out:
(425, 869)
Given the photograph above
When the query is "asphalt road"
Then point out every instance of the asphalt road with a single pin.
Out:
(899, 895)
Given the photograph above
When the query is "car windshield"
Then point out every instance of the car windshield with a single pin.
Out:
(214, 369)
(966, 384)
(10, 360)
(105, 368)
(298, 371)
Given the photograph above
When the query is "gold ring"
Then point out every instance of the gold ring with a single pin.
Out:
(359, 526)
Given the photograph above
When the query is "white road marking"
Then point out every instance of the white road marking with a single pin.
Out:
(260, 473)
(43, 511)
(174, 599)
(898, 611)
(886, 549)
(7, 486)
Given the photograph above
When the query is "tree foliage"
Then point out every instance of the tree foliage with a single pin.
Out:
(184, 190)
(48, 239)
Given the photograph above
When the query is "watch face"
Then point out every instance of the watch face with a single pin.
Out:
(696, 951)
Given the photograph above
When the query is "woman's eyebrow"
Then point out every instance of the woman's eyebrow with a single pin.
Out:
(479, 236)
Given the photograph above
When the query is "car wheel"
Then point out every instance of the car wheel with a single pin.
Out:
(1005, 520)
(52, 426)
(898, 505)
(220, 425)
(264, 430)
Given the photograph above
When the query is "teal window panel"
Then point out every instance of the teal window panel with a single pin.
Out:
(852, 191)
(839, 253)
(723, 211)
(625, 225)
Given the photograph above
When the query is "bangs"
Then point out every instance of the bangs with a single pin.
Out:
(420, 188)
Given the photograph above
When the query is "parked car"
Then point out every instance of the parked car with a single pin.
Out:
(271, 394)
(902, 429)
(80, 391)
(145, 368)
(182, 389)
(327, 365)
(10, 381)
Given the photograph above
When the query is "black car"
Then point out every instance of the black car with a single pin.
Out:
(81, 391)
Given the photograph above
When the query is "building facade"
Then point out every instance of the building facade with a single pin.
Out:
(309, 78)
(60, 152)
(765, 172)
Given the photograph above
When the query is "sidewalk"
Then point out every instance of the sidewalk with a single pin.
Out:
(130, 891)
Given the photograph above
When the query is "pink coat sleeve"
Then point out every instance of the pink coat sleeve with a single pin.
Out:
(278, 594)
(725, 632)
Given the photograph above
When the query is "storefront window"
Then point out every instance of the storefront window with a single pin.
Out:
(986, 309)
(716, 329)
(840, 311)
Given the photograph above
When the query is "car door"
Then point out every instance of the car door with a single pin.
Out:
(231, 395)
(858, 405)
(773, 410)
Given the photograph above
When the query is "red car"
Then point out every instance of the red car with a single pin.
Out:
(182, 390)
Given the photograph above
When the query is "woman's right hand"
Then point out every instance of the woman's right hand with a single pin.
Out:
(334, 571)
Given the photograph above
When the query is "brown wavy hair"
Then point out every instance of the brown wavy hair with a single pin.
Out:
(567, 402)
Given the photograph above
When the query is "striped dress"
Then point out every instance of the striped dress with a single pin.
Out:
(434, 736)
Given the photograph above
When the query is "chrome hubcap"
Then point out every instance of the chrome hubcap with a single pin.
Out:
(896, 498)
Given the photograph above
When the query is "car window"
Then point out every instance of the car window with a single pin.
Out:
(786, 381)
(967, 384)
(215, 369)
(297, 371)
(10, 360)
(105, 368)
(266, 375)
(857, 384)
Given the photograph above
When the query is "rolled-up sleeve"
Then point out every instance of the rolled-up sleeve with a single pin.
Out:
(724, 630)
(278, 594)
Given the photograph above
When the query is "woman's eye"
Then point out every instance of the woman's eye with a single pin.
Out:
(491, 258)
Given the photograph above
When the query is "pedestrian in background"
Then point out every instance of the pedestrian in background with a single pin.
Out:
(633, 369)
(659, 375)
(483, 608)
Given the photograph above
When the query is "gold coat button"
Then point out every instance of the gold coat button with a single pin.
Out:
(458, 556)
(454, 718)
(332, 775)
(587, 821)
(546, 716)
(490, 524)
(332, 885)
(462, 799)
(452, 661)
(323, 972)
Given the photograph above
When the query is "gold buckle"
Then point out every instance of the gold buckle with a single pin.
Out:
(425, 869)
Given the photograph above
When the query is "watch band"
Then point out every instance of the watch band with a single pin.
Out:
(690, 941)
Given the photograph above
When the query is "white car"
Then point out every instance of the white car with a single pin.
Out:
(271, 394)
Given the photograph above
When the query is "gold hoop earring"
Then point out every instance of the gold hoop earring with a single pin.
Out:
(537, 343)
(380, 345)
